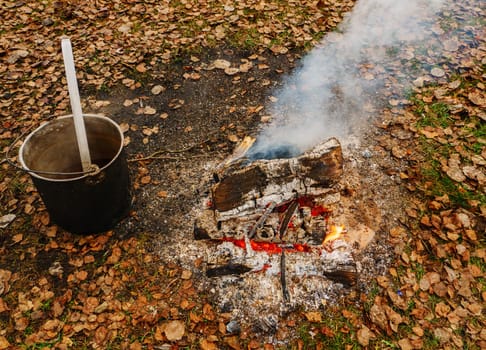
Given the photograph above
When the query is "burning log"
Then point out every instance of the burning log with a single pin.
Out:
(310, 173)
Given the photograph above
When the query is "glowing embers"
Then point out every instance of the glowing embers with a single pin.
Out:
(300, 220)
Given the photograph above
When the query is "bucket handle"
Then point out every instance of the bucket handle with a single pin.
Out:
(93, 170)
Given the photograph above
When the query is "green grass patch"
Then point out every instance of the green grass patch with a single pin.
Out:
(246, 39)
(441, 184)
(436, 115)
(436, 182)
(430, 341)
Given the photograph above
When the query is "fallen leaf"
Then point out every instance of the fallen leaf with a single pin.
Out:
(5, 276)
(141, 68)
(5, 220)
(145, 179)
(149, 110)
(157, 89)
(313, 316)
(443, 334)
(442, 309)
(418, 331)
(364, 335)
(231, 71)
(451, 45)
(3, 306)
(437, 72)
(394, 318)
(405, 344)
(233, 138)
(4, 344)
(174, 330)
(207, 345)
(17, 238)
(478, 98)
(233, 342)
(221, 64)
(378, 316)
(162, 194)
(475, 308)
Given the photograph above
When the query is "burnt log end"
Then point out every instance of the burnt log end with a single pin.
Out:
(229, 192)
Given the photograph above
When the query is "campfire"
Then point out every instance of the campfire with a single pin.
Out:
(278, 223)
(280, 200)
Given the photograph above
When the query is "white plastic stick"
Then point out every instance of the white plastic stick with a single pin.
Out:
(82, 140)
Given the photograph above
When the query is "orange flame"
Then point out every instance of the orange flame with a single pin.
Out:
(335, 232)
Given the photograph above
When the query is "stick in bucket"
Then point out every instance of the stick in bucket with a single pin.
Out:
(81, 137)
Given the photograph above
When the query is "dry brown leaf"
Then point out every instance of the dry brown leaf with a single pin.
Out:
(5, 276)
(158, 335)
(207, 345)
(233, 138)
(194, 317)
(437, 72)
(101, 335)
(115, 256)
(57, 308)
(364, 335)
(405, 344)
(443, 334)
(221, 64)
(231, 70)
(475, 308)
(157, 89)
(4, 343)
(313, 316)
(478, 98)
(162, 194)
(418, 331)
(21, 323)
(90, 304)
(174, 330)
(208, 312)
(394, 318)
(442, 309)
(141, 68)
(17, 238)
(233, 342)
(245, 67)
(3, 306)
(149, 110)
(81, 275)
(451, 45)
(135, 345)
(145, 179)
(429, 132)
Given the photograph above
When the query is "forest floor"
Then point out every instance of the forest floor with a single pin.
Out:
(187, 81)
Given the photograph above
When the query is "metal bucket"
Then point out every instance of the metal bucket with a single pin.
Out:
(79, 202)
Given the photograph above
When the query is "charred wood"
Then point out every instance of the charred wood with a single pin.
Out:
(228, 269)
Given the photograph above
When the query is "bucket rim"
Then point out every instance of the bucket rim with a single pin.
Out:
(37, 173)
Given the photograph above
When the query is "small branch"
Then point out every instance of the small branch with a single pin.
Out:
(156, 154)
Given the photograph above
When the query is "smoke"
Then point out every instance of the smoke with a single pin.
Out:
(327, 95)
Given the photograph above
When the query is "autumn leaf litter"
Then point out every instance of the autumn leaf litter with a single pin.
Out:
(59, 290)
